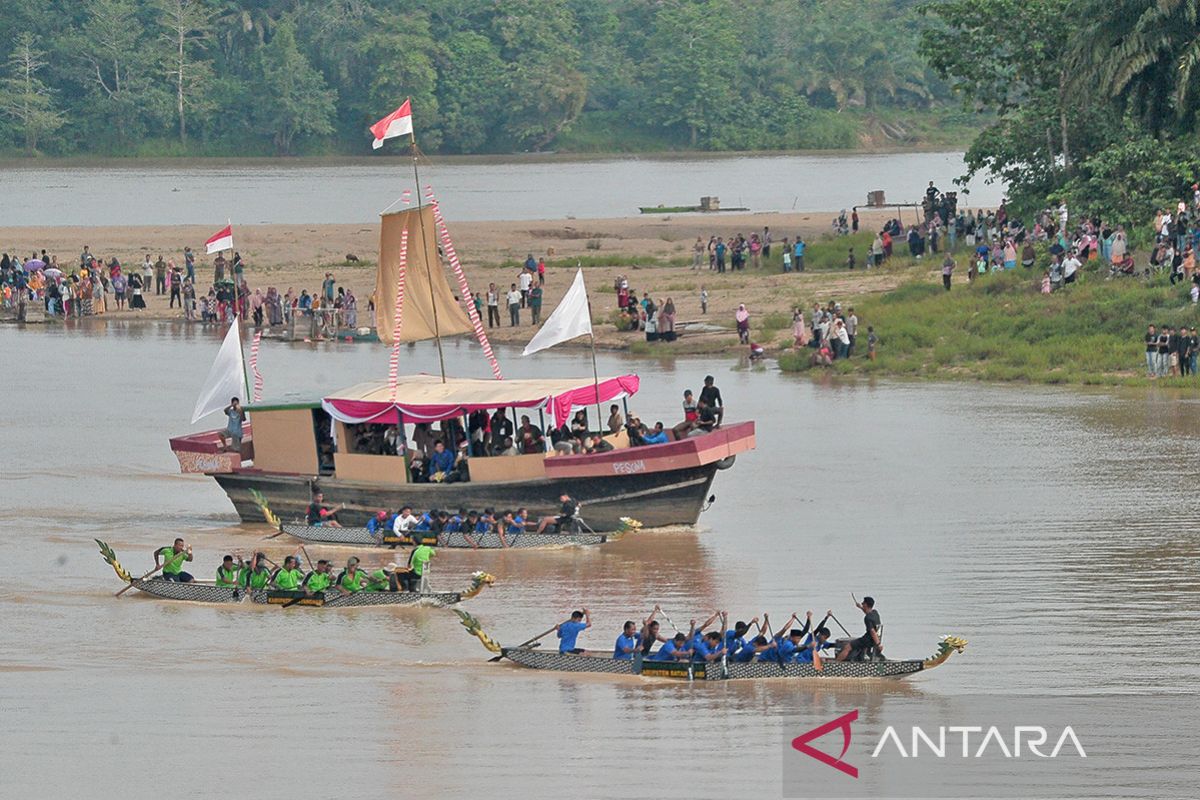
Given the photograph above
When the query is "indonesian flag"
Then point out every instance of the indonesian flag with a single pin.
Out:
(221, 240)
(397, 123)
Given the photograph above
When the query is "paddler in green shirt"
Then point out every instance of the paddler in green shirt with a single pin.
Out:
(256, 574)
(289, 576)
(352, 578)
(380, 580)
(318, 580)
(171, 558)
(418, 559)
(229, 573)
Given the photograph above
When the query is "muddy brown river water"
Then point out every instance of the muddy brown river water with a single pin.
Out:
(1055, 529)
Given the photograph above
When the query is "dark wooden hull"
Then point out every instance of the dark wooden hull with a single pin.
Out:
(656, 499)
(202, 592)
(554, 661)
(361, 537)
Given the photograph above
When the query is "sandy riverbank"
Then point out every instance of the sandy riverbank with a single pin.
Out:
(641, 248)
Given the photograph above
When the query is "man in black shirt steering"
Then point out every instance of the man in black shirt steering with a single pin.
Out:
(855, 649)
(565, 521)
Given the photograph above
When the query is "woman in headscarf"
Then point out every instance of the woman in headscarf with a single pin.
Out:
(274, 307)
(350, 309)
(742, 316)
(667, 320)
(256, 307)
(799, 331)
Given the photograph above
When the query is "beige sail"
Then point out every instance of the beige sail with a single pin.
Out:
(417, 317)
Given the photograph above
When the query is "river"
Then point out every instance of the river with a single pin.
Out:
(1054, 529)
(356, 190)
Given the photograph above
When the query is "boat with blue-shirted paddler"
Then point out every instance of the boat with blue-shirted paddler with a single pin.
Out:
(527, 654)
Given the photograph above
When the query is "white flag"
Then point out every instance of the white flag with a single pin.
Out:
(572, 318)
(226, 379)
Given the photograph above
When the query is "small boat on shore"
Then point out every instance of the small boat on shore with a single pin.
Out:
(361, 537)
(208, 592)
(533, 658)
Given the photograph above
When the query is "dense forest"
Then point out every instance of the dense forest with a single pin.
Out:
(1095, 102)
(179, 77)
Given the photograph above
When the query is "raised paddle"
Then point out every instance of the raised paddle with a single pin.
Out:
(840, 625)
(130, 584)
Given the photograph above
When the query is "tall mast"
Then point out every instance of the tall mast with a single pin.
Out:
(428, 270)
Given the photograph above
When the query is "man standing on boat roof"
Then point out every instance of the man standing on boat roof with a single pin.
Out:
(568, 632)
(172, 558)
(710, 395)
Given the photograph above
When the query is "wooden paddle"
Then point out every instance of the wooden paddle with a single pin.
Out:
(534, 639)
(130, 584)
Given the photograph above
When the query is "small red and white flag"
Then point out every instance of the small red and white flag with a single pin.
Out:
(221, 240)
(397, 123)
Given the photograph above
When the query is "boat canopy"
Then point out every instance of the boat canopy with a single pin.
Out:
(426, 398)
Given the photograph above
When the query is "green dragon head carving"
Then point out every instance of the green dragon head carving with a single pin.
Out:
(110, 557)
(472, 625)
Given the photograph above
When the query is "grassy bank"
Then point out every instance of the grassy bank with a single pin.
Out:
(1002, 328)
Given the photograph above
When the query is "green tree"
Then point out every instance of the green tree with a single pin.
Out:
(116, 65)
(694, 53)
(471, 88)
(1143, 53)
(545, 88)
(25, 97)
(295, 100)
(185, 25)
(402, 53)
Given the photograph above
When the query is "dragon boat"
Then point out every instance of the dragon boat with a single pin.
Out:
(821, 669)
(208, 592)
(323, 534)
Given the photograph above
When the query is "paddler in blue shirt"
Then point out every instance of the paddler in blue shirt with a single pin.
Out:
(735, 639)
(627, 642)
(710, 647)
(674, 649)
(568, 632)
(454, 524)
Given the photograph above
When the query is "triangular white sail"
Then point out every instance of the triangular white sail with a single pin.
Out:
(572, 318)
(226, 379)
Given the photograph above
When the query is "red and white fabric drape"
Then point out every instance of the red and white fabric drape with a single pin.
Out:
(398, 320)
(258, 378)
(463, 288)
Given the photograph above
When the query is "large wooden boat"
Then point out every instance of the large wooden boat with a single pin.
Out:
(295, 447)
(552, 660)
(334, 439)
(208, 592)
(323, 534)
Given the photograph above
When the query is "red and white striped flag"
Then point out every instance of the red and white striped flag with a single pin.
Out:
(397, 123)
(398, 321)
(221, 240)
